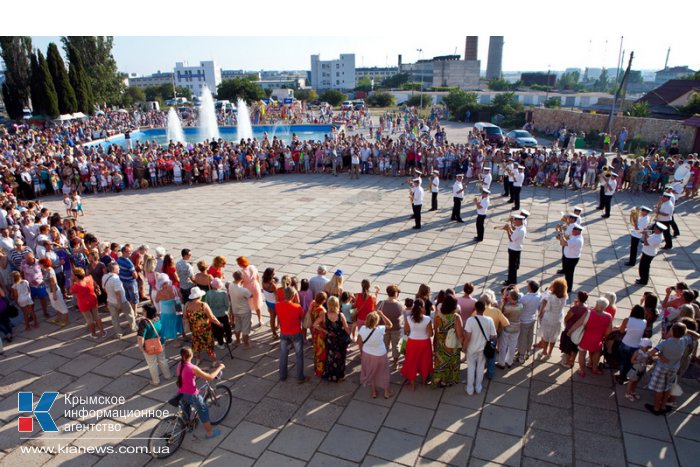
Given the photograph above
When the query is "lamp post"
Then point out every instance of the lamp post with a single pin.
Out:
(546, 92)
(420, 51)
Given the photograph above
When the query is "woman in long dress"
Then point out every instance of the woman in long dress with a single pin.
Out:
(446, 359)
(166, 295)
(251, 281)
(337, 340)
(551, 316)
(318, 334)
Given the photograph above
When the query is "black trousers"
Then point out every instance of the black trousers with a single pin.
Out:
(644, 266)
(416, 213)
(674, 226)
(456, 209)
(667, 234)
(480, 218)
(601, 194)
(633, 250)
(607, 200)
(569, 268)
(506, 186)
(222, 332)
(433, 201)
(515, 195)
(513, 266)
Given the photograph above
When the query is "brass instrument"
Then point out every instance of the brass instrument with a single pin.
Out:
(561, 226)
(634, 216)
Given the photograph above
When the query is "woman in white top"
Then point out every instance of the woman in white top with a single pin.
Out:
(419, 353)
(633, 329)
(374, 359)
(551, 315)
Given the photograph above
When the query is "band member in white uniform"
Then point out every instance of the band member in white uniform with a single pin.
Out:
(457, 196)
(417, 201)
(434, 189)
(486, 178)
(413, 182)
(636, 233)
(677, 189)
(482, 207)
(515, 247)
(572, 253)
(665, 214)
(609, 187)
(571, 220)
(518, 180)
(525, 213)
(649, 250)
(508, 178)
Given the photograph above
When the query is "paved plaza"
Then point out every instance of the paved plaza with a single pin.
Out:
(538, 413)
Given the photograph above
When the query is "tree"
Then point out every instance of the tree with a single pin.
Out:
(333, 97)
(638, 109)
(381, 99)
(132, 95)
(307, 94)
(183, 91)
(254, 77)
(569, 81)
(694, 76)
(67, 102)
(80, 81)
(693, 105)
(243, 88)
(48, 89)
(602, 84)
(458, 99)
(505, 103)
(416, 101)
(553, 103)
(100, 66)
(364, 84)
(412, 86)
(395, 81)
(499, 84)
(16, 52)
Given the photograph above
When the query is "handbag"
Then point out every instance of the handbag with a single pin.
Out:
(308, 322)
(451, 340)
(490, 346)
(152, 346)
(577, 335)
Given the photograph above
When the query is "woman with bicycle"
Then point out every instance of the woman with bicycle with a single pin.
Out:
(187, 374)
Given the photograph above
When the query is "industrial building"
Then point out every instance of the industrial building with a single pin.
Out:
(156, 79)
(333, 74)
(494, 65)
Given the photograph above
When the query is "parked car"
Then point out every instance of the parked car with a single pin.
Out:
(521, 139)
(346, 105)
(492, 133)
(359, 104)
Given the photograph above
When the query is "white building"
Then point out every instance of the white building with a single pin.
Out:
(333, 74)
(197, 77)
(375, 73)
(155, 79)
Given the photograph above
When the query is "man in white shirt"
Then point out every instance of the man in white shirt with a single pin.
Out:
(457, 196)
(478, 330)
(572, 253)
(609, 186)
(116, 300)
(486, 178)
(318, 282)
(7, 243)
(531, 305)
(482, 207)
(665, 216)
(515, 247)
(636, 233)
(517, 187)
(508, 178)
(417, 191)
(676, 191)
(434, 189)
(650, 249)
(240, 307)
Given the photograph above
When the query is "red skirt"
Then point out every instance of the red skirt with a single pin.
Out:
(418, 359)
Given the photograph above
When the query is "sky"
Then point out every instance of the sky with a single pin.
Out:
(521, 52)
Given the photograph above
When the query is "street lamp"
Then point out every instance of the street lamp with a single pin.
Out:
(420, 51)
(546, 92)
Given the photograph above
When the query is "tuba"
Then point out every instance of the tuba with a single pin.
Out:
(634, 216)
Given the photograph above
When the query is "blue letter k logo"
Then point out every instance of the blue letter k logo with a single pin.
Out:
(25, 403)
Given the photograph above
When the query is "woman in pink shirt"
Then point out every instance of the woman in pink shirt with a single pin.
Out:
(466, 302)
(187, 386)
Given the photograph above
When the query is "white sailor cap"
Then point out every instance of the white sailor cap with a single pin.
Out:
(416, 180)
(419, 172)
(660, 226)
(519, 217)
(612, 174)
(578, 208)
(486, 168)
(521, 167)
(574, 215)
(486, 190)
(646, 208)
(668, 195)
(459, 175)
(525, 212)
(578, 227)
(436, 171)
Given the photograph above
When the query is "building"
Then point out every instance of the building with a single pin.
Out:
(156, 79)
(333, 74)
(471, 48)
(538, 78)
(444, 71)
(197, 77)
(665, 100)
(376, 74)
(231, 74)
(675, 72)
(494, 65)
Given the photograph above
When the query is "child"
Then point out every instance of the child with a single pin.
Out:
(639, 366)
(668, 355)
(67, 204)
(306, 296)
(22, 295)
(347, 301)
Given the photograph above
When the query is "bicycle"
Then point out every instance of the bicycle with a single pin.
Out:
(167, 436)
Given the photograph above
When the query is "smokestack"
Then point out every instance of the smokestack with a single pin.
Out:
(399, 62)
(494, 66)
(471, 48)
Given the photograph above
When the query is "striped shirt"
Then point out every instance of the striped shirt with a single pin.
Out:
(126, 269)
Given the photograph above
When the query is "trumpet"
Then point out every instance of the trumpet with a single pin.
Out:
(634, 216)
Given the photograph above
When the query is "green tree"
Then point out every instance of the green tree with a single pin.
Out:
(499, 84)
(364, 84)
(553, 103)
(307, 94)
(638, 109)
(243, 88)
(254, 77)
(412, 86)
(381, 99)
(100, 66)
(67, 102)
(415, 101)
(693, 105)
(16, 52)
(133, 95)
(569, 81)
(49, 90)
(80, 81)
(38, 97)
(396, 80)
(693, 76)
(183, 91)
(506, 103)
(602, 84)
(333, 97)
(457, 99)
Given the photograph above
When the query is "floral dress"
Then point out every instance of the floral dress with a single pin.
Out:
(445, 360)
(202, 338)
(336, 350)
(318, 338)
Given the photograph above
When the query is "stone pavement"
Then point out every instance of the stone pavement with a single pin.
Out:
(534, 414)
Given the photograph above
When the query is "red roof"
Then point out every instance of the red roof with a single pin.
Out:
(670, 91)
(693, 121)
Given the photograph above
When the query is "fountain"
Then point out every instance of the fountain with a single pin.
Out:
(175, 133)
(208, 127)
(244, 129)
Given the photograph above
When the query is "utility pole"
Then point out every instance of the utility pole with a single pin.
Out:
(623, 85)
(420, 51)
(619, 61)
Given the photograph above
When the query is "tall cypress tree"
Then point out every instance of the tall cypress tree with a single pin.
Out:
(38, 103)
(80, 81)
(16, 52)
(48, 88)
(67, 102)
